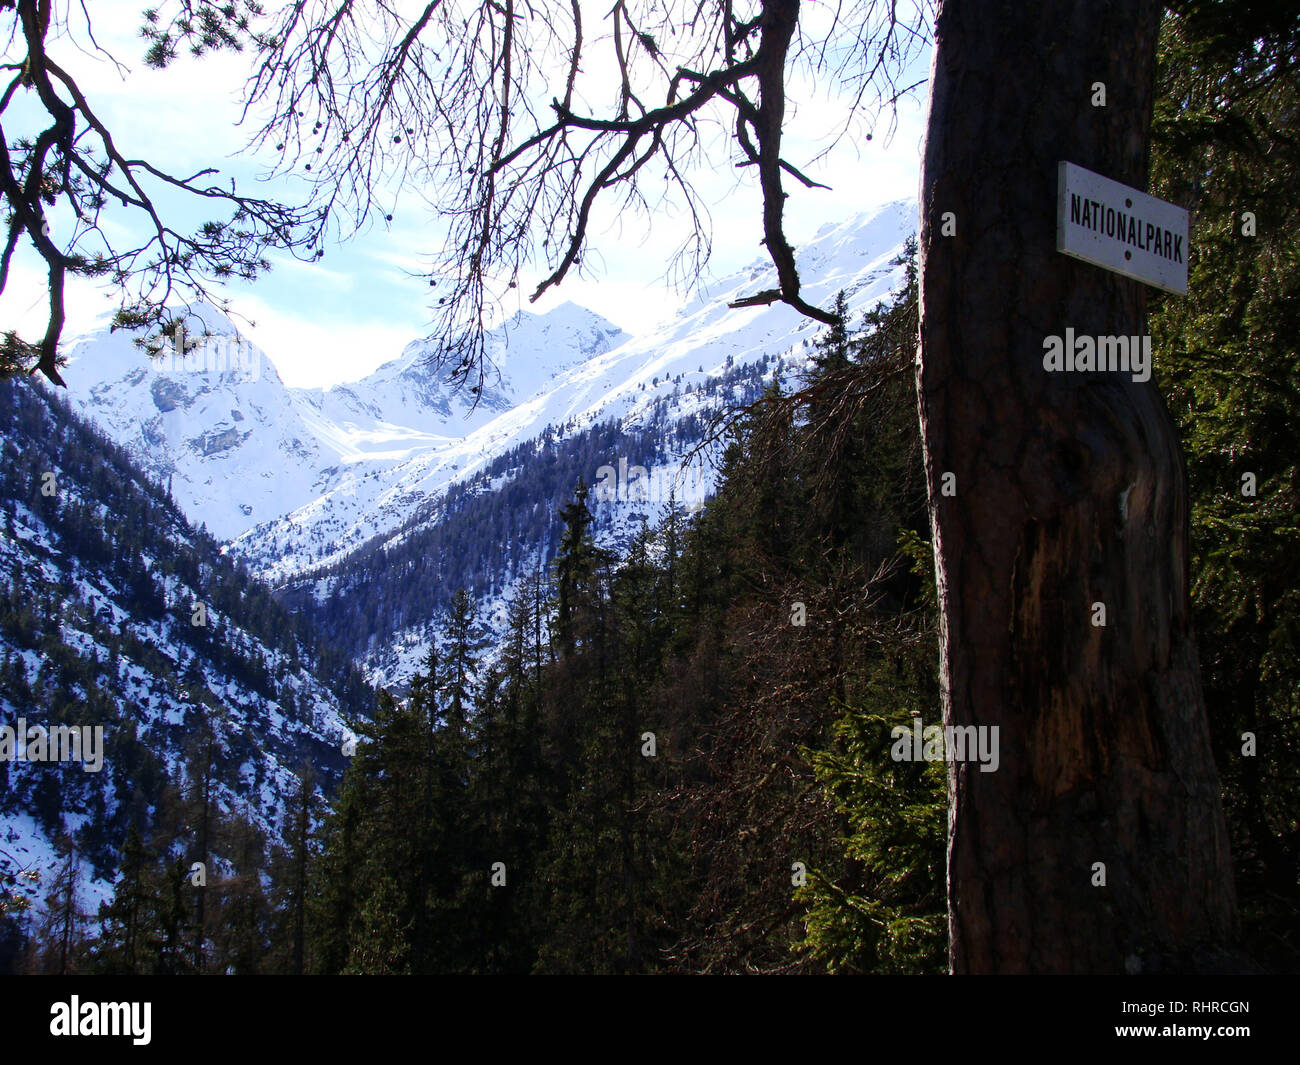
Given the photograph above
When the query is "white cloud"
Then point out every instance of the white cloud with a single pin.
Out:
(312, 273)
(25, 304)
(316, 353)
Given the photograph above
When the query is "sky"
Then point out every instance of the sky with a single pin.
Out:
(341, 317)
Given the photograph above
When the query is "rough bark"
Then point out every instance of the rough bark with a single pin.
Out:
(1070, 491)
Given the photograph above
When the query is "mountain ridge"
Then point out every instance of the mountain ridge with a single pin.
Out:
(296, 481)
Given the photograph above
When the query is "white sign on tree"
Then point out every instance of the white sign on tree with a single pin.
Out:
(1121, 229)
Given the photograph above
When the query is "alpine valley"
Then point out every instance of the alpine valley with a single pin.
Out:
(369, 504)
(219, 569)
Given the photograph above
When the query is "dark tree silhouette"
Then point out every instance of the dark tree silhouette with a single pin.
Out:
(1070, 491)
(358, 92)
(69, 159)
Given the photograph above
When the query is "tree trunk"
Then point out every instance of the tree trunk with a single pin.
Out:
(1070, 491)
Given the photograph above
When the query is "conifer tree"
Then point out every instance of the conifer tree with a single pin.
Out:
(292, 867)
(240, 927)
(879, 906)
(509, 801)
(575, 574)
(1225, 148)
(128, 939)
(378, 834)
(58, 943)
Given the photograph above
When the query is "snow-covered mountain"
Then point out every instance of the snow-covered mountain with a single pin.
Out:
(300, 480)
(527, 355)
(214, 422)
(209, 415)
(622, 381)
(402, 436)
(117, 616)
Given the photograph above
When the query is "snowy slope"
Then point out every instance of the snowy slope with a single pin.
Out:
(238, 447)
(216, 423)
(101, 576)
(298, 479)
(623, 383)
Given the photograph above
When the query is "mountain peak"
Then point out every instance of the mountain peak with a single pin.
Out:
(324, 469)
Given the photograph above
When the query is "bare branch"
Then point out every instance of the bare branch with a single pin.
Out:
(75, 162)
(364, 100)
(360, 99)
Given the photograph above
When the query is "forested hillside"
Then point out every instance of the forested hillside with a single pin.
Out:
(486, 534)
(682, 761)
(696, 745)
(675, 765)
(116, 615)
